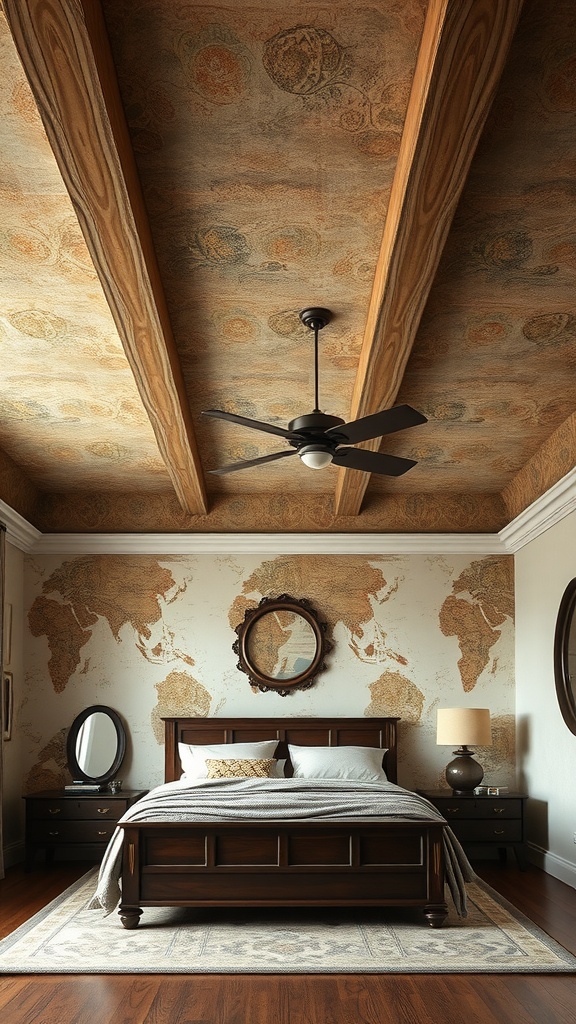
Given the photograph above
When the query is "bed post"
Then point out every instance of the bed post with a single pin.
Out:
(129, 911)
(436, 910)
(170, 748)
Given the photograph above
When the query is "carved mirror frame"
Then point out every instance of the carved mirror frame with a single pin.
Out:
(246, 661)
(564, 654)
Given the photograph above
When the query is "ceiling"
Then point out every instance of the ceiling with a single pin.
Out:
(179, 180)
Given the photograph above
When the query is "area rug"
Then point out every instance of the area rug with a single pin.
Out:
(67, 938)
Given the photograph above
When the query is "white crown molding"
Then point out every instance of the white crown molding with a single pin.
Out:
(558, 502)
(268, 543)
(547, 510)
(19, 532)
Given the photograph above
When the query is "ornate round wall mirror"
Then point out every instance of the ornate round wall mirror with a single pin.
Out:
(96, 744)
(565, 656)
(281, 644)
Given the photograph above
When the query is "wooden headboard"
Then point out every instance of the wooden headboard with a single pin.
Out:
(319, 732)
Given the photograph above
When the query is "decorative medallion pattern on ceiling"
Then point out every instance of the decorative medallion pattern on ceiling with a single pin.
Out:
(170, 203)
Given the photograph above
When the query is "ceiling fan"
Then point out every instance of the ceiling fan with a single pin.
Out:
(320, 439)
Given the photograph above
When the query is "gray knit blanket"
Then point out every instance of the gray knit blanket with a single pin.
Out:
(278, 800)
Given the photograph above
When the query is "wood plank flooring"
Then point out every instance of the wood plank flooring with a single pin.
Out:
(295, 999)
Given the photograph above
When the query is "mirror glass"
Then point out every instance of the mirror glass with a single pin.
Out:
(96, 744)
(565, 656)
(281, 644)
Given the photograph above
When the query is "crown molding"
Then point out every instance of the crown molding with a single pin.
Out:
(267, 543)
(558, 502)
(19, 532)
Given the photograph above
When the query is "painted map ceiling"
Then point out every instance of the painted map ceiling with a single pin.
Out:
(179, 180)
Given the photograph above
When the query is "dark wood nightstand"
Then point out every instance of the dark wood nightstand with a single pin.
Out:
(496, 821)
(82, 823)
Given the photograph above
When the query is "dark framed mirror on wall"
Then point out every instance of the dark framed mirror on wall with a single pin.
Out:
(565, 656)
(281, 644)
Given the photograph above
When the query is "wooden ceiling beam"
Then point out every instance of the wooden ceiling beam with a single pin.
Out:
(66, 56)
(461, 58)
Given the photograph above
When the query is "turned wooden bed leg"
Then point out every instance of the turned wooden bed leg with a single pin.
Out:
(130, 916)
(436, 914)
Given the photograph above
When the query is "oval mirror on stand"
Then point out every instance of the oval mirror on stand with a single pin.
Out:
(565, 656)
(96, 745)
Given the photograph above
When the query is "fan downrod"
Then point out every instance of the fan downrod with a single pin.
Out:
(315, 317)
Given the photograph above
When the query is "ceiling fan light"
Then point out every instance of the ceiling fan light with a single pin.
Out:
(315, 456)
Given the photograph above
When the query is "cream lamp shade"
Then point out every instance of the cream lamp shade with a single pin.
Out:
(466, 727)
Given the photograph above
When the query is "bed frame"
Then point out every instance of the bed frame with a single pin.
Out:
(363, 862)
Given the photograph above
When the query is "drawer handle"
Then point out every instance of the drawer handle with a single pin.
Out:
(452, 810)
(105, 833)
(498, 810)
(499, 831)
(55, 833)
(54, 810)
(103, 810)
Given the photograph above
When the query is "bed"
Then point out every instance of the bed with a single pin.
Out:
(396, 860)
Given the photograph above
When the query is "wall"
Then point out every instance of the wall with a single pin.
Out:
(546, 747)
(13, 805)
(151, 636)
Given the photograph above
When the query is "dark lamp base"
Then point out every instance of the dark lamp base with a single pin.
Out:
(463, 774)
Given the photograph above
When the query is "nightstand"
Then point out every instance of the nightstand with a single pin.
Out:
(82, 823)
(496, 821)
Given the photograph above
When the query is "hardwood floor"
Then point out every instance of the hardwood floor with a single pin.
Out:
(295, 999)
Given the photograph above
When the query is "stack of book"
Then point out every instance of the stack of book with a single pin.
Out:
(84, 787)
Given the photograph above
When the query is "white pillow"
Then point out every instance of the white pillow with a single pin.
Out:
(193, 757)
(363, 764)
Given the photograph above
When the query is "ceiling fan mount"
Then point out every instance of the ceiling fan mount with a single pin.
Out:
(320, 439)
(316, 317)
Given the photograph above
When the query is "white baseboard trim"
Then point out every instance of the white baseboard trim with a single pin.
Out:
(14, 854)
(552, 864)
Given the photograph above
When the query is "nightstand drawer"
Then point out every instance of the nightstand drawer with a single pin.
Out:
(488, 831)
(58, 810)
(488, 807)
(70, 831)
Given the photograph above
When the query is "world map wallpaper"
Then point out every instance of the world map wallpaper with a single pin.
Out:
(152, 636)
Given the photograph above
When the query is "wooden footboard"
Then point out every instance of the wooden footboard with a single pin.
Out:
(286, 863)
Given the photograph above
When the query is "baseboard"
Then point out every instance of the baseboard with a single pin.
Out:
(552, 864)
(13, 854)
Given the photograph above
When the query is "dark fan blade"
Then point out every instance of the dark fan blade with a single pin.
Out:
(269, 428)
(252, 462)
(372, 462)
(380, 423)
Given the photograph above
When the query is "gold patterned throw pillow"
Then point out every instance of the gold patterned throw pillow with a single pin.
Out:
(234, 768)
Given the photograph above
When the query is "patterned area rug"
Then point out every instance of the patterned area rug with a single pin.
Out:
(67, 938)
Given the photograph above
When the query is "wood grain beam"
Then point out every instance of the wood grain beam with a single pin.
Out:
(66, 56)
(461, 58)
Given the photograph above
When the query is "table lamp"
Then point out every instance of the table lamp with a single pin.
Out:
(464, 727)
